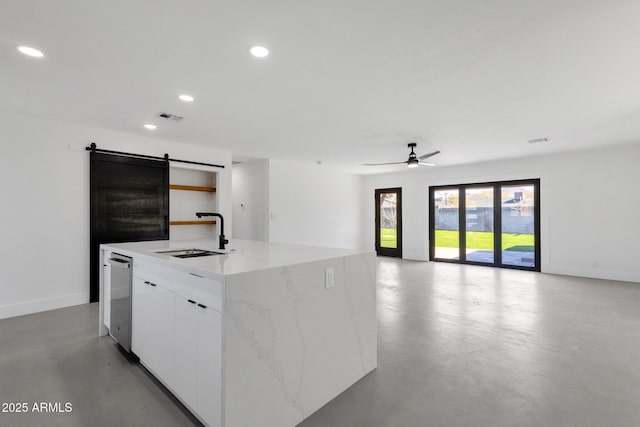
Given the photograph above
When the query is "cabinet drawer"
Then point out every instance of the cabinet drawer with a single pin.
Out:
(205, 291)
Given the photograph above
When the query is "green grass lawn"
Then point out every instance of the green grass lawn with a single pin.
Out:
(484, 240)
(388, 238)
(475, 240)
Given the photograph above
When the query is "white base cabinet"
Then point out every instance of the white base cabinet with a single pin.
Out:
(209, 383)
(106, 278)
(186, 357)
(153, 333)
(178, 337)
(198, 358)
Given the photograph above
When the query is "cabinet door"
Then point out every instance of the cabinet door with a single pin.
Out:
(153, 325)
(106, 286)
(210, 366)
(186, 367)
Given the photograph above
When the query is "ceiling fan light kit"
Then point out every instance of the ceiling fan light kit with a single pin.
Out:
(413, 161)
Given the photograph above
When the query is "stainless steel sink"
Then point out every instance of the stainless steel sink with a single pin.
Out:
(190, 253)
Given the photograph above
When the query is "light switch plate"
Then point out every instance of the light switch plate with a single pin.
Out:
(328, 278)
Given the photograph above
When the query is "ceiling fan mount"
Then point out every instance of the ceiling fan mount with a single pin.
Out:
(413, 161)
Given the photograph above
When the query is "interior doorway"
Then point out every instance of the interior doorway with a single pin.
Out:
(388, 206)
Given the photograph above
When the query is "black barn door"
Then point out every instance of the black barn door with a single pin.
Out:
(129, 203)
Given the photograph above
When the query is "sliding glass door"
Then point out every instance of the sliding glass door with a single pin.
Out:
(447, 234)
(479, 236)
(495, 223)
(519, 214)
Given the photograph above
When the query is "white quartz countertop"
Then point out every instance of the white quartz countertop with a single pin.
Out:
(241, 256)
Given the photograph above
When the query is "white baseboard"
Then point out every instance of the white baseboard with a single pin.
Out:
(29, 307)
(622, 276)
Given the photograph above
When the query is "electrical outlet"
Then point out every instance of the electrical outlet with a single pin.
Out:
(328, 277)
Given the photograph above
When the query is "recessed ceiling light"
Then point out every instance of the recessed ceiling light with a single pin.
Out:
(150, 126)
(259, 51)
(186, 98)
(29, 51)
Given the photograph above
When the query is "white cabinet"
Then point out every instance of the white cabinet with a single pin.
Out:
(198, 370)
(186, 372)
(177, 334)
(153, 328)
(106, 286)
(209, 404)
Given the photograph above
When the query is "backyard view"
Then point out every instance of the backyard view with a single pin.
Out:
(475, 239)
(388, 221)
(517, 226)
(484, 240)
(388, 237)
(447, 221)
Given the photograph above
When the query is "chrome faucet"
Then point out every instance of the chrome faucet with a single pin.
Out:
(221, 239)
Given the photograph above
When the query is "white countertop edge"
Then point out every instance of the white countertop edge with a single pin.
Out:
(243, 255)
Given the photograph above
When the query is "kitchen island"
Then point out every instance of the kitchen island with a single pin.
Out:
(260, 335)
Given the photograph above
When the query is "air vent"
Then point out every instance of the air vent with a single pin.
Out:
(539, 140)
(170, 116)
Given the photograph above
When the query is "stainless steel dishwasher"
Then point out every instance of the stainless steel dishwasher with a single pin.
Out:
(121, 273)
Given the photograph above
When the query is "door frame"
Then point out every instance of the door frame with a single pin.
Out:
(397, 252)
(497, 223)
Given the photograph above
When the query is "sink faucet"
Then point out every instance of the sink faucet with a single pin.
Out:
(221, 239)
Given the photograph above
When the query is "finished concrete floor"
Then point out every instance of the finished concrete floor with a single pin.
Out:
(458, 346)
(57, 356)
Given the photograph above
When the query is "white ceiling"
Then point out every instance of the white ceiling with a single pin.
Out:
(347, 82)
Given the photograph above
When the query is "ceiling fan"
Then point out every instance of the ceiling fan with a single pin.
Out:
(413, 162)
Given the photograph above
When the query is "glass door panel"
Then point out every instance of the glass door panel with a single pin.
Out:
(518, 225)
(389, 222)
(479, 238)
(447, 224)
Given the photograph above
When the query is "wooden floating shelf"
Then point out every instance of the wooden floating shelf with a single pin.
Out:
(192, 188)
(191, 222)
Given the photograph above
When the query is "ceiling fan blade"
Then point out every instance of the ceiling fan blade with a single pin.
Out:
(426, 156)
(382, 164)
(426, 164)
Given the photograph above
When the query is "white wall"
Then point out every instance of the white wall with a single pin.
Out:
(44, 217)
(589, 207)
(250, 190)
(314, 204)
